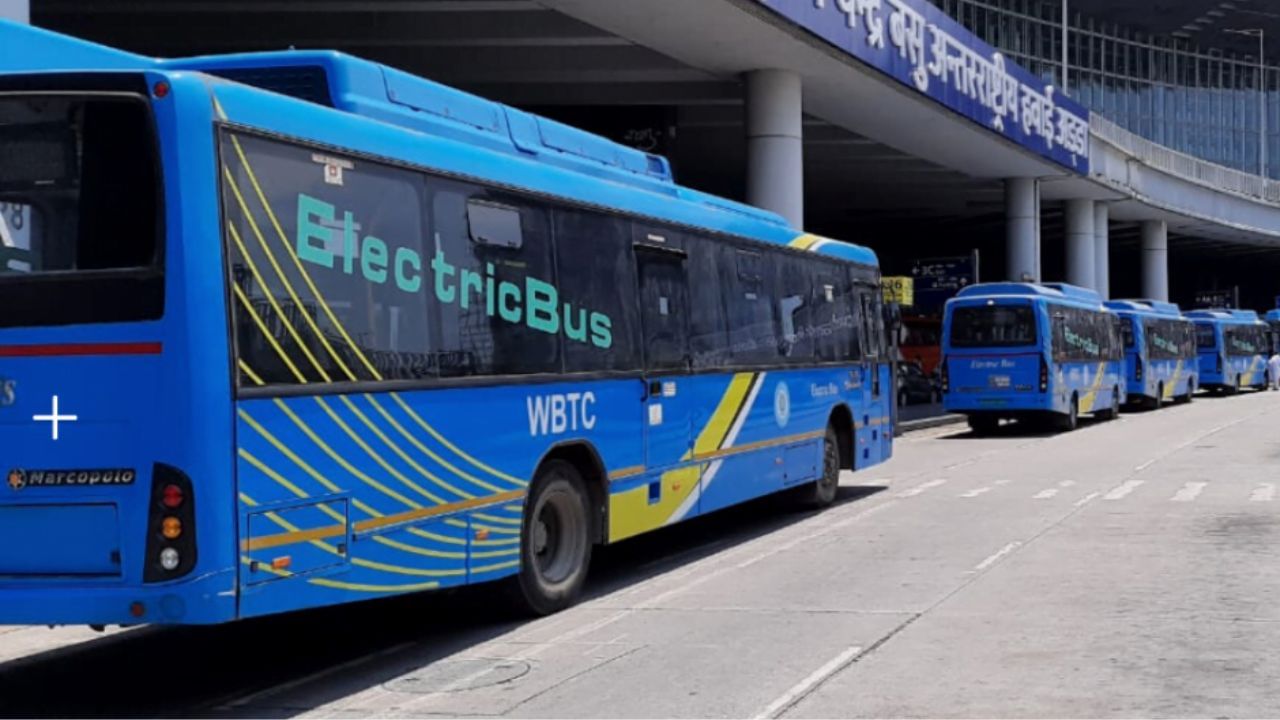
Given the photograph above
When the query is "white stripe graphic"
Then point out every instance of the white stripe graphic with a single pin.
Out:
(687, 506)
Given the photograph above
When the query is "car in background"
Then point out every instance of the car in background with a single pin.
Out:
(915, 387)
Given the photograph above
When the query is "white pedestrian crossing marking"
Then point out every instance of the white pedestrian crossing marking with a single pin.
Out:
(1046, 494)
(1190, 491)
(1066, 483)
(1123, 489)
(976, 492)
(1265, 492)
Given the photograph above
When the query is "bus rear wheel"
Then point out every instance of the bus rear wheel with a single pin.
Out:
(555, 541)
(1190, 395)
(983, 424)
(822, 492)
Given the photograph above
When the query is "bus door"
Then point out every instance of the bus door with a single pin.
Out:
(664, 314)
(874, 426)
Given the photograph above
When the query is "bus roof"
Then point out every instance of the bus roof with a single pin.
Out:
(384, 94)
(1046, 291)
(1236, 316)
(1273, 315)
(1146, 307)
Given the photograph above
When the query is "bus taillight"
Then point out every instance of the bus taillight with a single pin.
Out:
(171, 540)
(944, 375)
(1044, 375)
(1137, 370)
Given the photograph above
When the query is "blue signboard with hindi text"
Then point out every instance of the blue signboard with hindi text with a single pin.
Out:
(923, 48)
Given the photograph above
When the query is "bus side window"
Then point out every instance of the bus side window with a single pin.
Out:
(709, 262)
(596, 301)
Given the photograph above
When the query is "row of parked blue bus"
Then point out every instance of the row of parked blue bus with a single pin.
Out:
(1050, 353)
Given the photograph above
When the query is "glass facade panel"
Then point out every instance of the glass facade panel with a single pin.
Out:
(1198, 102)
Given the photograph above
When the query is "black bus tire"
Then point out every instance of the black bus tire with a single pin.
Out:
(1071, 420)
(822, 492)
(983, 424)
(555, 542)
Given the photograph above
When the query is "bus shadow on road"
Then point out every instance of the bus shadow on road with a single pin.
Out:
(1022, 430)
(291, 664)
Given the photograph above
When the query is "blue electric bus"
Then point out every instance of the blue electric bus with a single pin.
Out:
(285, 330)
(1160, 352)
(1272, 318)
(1232, 345)
(1023, 351)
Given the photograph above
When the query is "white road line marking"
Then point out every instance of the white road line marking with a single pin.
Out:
(976, 492)
(1066, 483)
(1145, 465)
(1189, 492)
(1123, 489)
(1046, 494)
(1003, 482)
(1265, 492)
(787, 699)
(995, 557)
(1087, 499)
(921, 488)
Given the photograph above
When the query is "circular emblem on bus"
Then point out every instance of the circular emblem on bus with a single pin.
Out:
(782, 405)
(17, 480)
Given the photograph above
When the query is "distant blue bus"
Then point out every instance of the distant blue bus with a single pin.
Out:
(1028, 352)
(1233, 348)
(1161, 363)
(294, 329)
(1272, 319)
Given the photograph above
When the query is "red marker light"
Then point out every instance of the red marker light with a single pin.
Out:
(172, 496)
(161, 89)
(137, 609)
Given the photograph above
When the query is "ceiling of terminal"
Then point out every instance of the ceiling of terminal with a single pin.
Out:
(1204, 22)
(520, 52)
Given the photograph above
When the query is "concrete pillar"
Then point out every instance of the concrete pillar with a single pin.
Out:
(1155, 260)
(1102, 249)
(1022, 229)
(775, 152)
(19, 10)
(1079, 243)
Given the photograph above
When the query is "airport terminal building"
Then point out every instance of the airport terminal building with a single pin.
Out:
(1088, 141)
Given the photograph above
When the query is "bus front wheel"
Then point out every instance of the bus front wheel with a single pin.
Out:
(1112, 412)
(555, 541)
(1071, 420)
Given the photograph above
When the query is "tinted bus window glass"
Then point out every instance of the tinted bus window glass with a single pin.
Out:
(993, 326)
(80, 211)
(1206, 339)
(329, 276)
(1126, 332)
(753, 338)
(709, 262)
(795, 308)
(597, 295)
(1242, 340)
(836, 319)
(496, 309)
(1163, 339)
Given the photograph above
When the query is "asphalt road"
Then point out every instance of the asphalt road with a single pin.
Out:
(1127, 569)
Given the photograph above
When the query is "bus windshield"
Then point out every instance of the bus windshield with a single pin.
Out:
(993, 326)
(79, 199)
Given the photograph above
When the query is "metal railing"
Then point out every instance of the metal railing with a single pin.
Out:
(1182, 165)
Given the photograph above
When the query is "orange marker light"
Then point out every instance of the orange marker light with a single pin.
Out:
(171, 528)
(482, 534)
(282, 563)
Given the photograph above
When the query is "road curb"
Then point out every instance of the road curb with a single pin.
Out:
(929, 423)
